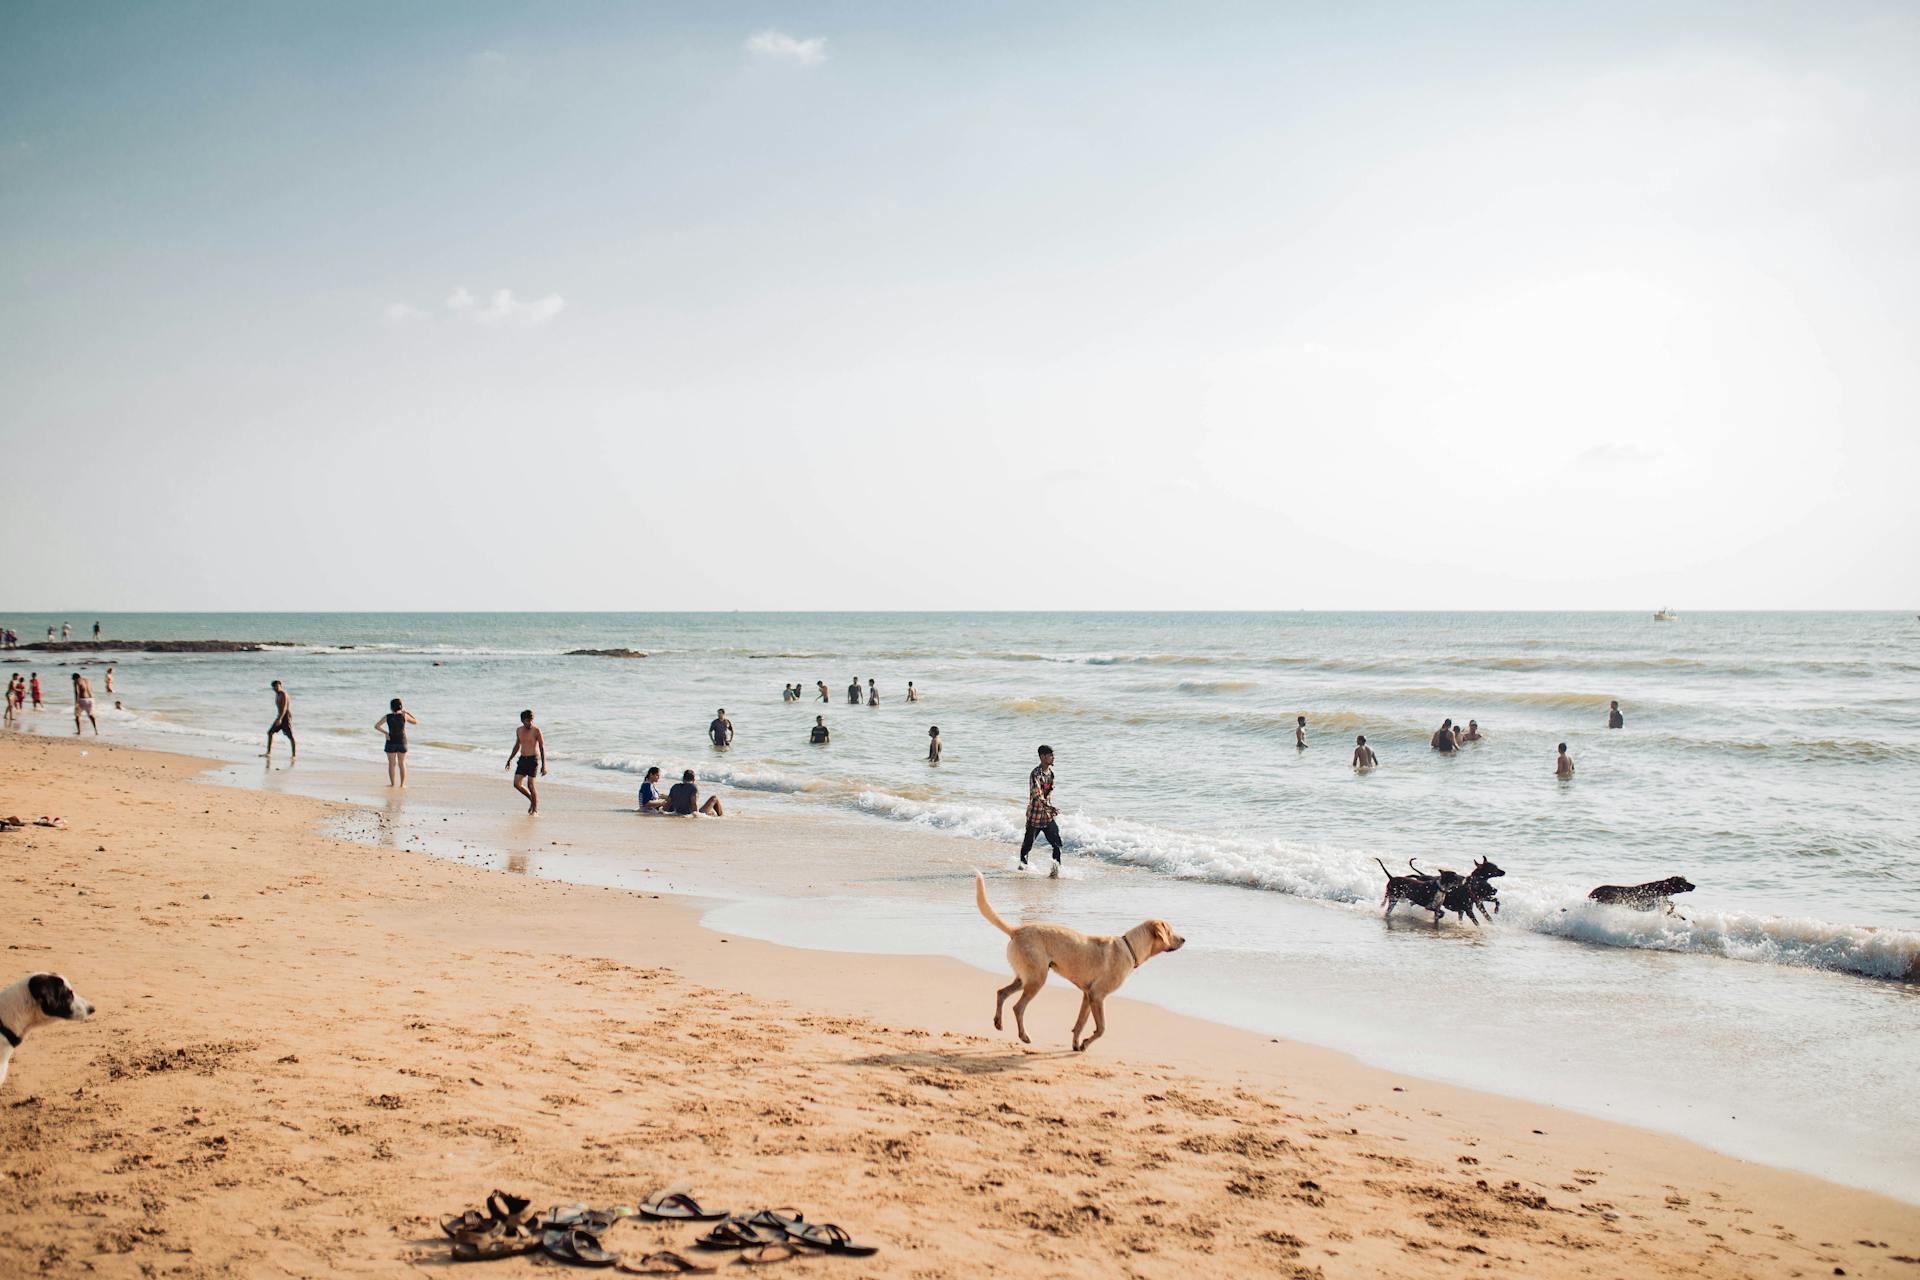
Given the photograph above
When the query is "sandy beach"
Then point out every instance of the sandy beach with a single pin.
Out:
(308, 1051)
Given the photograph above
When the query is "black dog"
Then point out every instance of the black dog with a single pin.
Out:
(1420, 889)
(1643, 897)
(1463, 895)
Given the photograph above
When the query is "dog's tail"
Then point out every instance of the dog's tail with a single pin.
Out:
(1383, 868)
(980, 900)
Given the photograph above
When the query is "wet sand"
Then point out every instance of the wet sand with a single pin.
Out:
(308, 1051)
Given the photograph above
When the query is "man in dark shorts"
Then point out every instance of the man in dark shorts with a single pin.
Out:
(721, 730)
(1614, 719)
(1041, 815)
(528, 758)
(820, 734)
(282, 721)
(684, 799)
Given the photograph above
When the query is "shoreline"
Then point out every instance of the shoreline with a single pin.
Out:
(979, 1152)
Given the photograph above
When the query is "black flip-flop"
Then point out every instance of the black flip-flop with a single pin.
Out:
(664, 1263)
(762, 1255)
(680, 1208)
(572, 1244)
(827, 1237)
(739, 1233)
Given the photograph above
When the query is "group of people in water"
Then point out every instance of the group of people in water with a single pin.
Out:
(21, 688)
(794, 693)
(1451, 737)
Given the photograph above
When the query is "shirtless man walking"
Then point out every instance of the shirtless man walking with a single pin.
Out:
(83, 703)
(1300, 733)
(528, 757)
(282, 721)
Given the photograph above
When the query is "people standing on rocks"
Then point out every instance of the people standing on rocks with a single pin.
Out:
(1563, 766)
(1042, 817)
(1614, 719)
(96, 628)
(1363, 757)
(282, 722)
(83, 703)
(66, 632)
(721, 730)
(819, 736)
(933, 745)
(394, 725)
(527, 759)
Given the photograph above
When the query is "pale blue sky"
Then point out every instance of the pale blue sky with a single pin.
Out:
(1002, 306)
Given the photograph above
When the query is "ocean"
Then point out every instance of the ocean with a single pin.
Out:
(1772, 759)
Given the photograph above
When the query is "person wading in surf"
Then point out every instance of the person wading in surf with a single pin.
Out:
(1042, 817)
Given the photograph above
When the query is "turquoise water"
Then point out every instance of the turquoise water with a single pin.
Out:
(1772, 759)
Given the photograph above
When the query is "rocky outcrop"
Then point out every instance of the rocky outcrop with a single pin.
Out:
(605, 653)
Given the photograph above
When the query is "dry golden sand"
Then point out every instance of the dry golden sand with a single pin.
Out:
(308, 1051)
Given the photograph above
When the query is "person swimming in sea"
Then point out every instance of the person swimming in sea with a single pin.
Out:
(1473, 732)
(912, 694)
(1300, 733)
(819, 735)
(721, 730)
(1442, 739)
(1363, 757)
(821, 685)
(1563, 767)
(873, 694)
(933, 745)
(853, 692)
(1614, 719)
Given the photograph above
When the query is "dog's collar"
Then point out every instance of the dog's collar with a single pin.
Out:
(1130, 952)
(8, 1032)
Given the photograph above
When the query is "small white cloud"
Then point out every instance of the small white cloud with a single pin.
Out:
(503, 308)
(1617, 453)
(401, 313)
(778, 46)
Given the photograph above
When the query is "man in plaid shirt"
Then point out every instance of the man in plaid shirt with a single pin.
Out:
(1041, 815)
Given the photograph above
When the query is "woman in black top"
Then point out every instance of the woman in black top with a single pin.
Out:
(394, 725)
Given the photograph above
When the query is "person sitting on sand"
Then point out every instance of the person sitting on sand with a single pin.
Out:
(819, 736)
(394, 725)
(651, 801)
(1563, 767)
(933, 745)
(528, 757)
(1363, 757)
(821, 685)
(1614, 719)
(1473, 732)
(1300, 733)
(684, 799)
(912, 694)
(721, 730)
(1442, 739)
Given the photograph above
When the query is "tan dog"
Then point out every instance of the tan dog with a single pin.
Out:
(1095, 964)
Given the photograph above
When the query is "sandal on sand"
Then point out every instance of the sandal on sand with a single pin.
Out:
(679, 1207)
(664, 1263)
(507, 1207)
(471, 1223)
(741, 1233)
(578, 1216)
(762, 1255)
(571, 1244)
(501, 1240)
(829, 1238)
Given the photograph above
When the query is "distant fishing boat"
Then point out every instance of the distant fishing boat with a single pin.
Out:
(1665, 615)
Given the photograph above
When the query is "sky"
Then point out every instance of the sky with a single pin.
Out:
(994, 306)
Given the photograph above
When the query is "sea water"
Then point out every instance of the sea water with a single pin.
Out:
(1772, 759)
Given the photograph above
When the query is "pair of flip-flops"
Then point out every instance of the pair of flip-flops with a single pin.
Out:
(771, 1228)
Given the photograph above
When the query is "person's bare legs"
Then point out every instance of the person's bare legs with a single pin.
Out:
(524, 785)
(392, 758)
(403, 767)
(712, 807)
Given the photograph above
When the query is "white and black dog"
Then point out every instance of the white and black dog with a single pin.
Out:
(37, 998)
